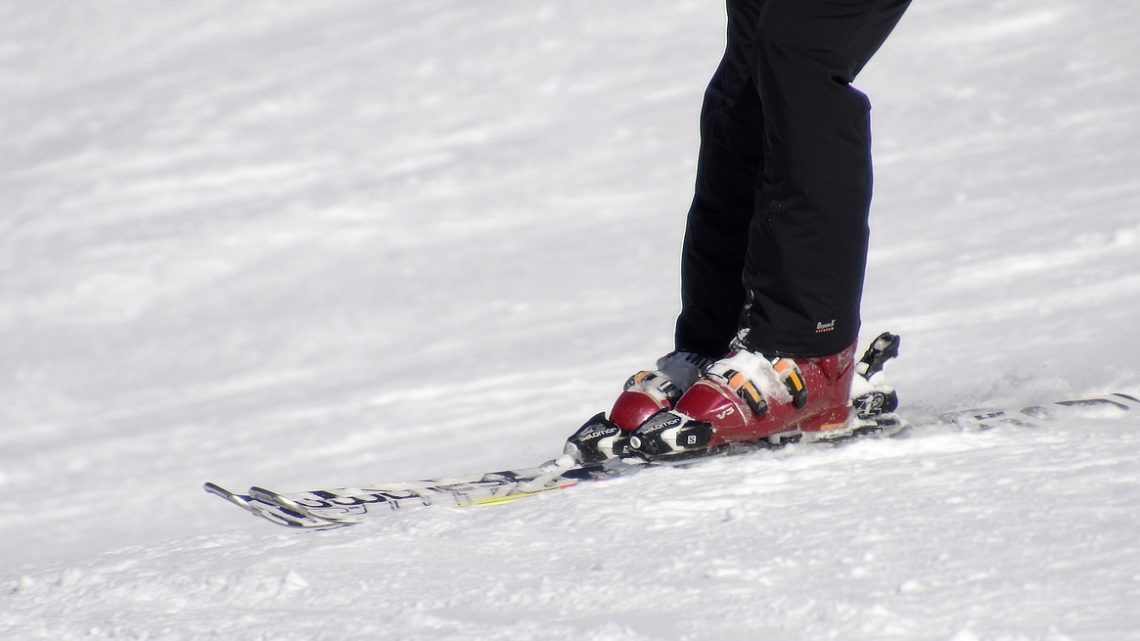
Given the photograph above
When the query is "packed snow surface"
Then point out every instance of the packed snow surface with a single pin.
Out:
(322, 244)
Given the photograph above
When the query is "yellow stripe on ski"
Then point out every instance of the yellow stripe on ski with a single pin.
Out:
(511, 498)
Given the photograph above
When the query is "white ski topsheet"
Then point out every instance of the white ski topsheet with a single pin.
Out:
(318, 244)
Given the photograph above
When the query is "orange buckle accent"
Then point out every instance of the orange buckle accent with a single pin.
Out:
(752, 392)
(738, 380)
(749, 394)
(793, 379)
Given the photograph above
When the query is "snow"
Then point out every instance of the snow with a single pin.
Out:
(314, 244)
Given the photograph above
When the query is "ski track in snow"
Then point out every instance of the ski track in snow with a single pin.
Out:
(324, 244)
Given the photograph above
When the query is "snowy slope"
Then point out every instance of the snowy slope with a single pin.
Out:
(326, 243)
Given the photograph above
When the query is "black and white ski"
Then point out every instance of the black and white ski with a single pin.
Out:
(339, 507)
(599, 451)
(330, 508)
(1109, 405)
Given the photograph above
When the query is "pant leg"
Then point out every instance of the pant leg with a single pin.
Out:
(728, 167)
(807, 247)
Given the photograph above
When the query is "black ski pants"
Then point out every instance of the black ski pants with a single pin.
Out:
(776, 238)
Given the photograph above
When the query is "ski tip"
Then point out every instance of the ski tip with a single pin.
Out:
(278, 513)
(1127, 399)
(239, 500)
(217, 490)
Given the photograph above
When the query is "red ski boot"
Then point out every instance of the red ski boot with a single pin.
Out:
(645, 394)
(747, 398)
(648, 392)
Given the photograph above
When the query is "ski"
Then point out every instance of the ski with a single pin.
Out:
(599, 450)
(339, 507)
(1114, 404)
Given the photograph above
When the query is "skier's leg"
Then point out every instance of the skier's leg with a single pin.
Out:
(807, 245)
(728, 167)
